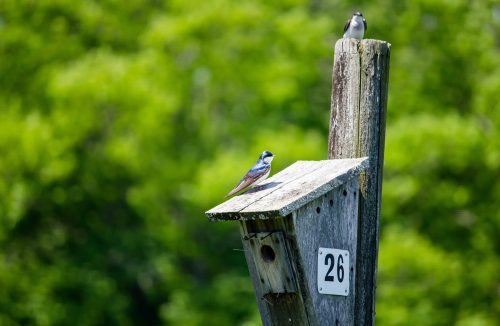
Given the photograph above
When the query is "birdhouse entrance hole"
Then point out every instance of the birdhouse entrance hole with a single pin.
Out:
(267, 253)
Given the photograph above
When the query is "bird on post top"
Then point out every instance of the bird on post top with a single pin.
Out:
(355, 27)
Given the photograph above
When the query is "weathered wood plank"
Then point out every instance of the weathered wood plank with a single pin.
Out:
(329, 221)
(289, 189)
(306, 188)
(344, 114)
(285, 310)
(276, 308)
(272, 261)
(374, 90)
(365, 138)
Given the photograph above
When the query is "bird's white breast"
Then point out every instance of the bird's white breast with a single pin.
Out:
(356, 24)
(356, 28)
(264, 177)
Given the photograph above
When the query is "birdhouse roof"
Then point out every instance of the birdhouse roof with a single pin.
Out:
(289, 189)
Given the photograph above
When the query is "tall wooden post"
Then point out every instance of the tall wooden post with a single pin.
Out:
(357, 129)
(310, 232)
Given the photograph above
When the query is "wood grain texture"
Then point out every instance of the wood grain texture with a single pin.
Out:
(329, 221)
(272, 262)
(358, 130)
(289, 189)
(344, 114)
(276, 308)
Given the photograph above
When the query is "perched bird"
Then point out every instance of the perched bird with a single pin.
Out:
(355, 27)
(258, 173)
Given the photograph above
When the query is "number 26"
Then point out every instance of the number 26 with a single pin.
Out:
(330, 260)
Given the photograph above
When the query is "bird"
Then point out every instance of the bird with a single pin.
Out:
(355, 27)
(258, 173)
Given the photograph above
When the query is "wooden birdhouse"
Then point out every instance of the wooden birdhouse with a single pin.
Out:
(299, 232)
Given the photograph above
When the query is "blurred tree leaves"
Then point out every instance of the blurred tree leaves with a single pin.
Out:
(121, 123)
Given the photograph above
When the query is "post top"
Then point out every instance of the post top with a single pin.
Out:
(351, 45)
(289, 189)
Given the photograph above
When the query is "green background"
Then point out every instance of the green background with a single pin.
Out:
(121, 122)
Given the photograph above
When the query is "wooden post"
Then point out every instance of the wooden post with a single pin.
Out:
(357, 129)
(310, 232)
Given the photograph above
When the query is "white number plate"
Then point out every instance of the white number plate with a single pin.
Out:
(333, 271)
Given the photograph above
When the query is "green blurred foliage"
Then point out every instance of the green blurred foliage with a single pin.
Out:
(122, 122)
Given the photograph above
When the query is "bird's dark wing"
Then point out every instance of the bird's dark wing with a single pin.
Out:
(366, 25)
(346, 26)
(253, 175)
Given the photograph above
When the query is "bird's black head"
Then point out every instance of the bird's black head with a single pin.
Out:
(357, 13)
(266, 156)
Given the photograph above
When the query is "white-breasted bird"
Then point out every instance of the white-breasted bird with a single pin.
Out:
(258, 173)
(355, 27)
